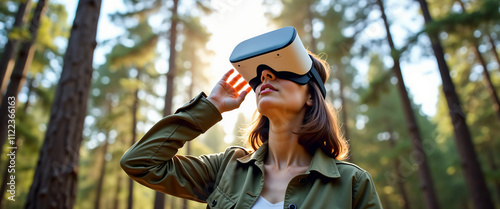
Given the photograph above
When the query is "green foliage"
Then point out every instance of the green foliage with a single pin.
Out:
(455, 22)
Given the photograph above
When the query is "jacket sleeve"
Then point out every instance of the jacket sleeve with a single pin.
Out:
(364, 194)
(153, 162)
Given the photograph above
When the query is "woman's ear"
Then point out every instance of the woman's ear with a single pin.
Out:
(309, 101)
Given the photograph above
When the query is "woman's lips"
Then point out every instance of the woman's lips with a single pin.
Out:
(267, 88)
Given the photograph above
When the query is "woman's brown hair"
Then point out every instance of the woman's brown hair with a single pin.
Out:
(320, 128)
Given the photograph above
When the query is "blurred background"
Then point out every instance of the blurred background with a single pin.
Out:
(424, 148)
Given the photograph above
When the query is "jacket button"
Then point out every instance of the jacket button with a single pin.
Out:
(214, 203)
(292, 206)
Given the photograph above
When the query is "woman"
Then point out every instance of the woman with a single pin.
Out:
(296, 162)
(296, 141)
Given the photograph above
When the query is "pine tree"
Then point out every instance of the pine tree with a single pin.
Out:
(412, 125)
(60, 151)
(10, 49)
(472, 169)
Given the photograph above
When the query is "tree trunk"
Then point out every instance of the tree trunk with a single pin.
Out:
(97, 201)
(7, 60)
(424, 174)
(486, 74)
(487, 81)
(171, 62)
(399, 176)
(3, 188)
(116, 201)
(160, 197)
(135, 108)
(494, 167)
(18, 76)
(494, 49)
(470, 164)
(55, 180)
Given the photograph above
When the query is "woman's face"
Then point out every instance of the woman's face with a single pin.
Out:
(278, 96)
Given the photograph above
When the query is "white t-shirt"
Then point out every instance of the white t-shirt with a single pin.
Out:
(264, 204)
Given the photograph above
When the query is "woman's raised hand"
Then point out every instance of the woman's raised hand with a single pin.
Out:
(225, 94)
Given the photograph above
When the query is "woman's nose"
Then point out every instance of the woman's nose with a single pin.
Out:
(267, 74)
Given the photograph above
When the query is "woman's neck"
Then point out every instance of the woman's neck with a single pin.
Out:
(284, 148)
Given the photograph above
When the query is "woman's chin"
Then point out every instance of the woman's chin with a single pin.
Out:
(267, 105)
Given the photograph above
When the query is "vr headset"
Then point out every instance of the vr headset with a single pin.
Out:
(279, 51)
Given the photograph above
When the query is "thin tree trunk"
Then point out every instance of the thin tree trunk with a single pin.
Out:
(97, 201)
(486, 74)
(18, 76)
(494, 167)
(7, 60)
(472, 169)
(55, 180)
(494, 49)
(424, 174)
(135, 108)
(116, 202)
(160, 197)
(487, 82)
(3, 188)
(171, 62)
(399, 176)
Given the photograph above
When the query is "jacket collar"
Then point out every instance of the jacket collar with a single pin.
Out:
(320, 163)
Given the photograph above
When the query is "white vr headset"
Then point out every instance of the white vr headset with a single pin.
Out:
(280, 51)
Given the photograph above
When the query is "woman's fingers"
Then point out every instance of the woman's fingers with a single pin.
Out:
(227, 74)
(234, 80)
(240, 85)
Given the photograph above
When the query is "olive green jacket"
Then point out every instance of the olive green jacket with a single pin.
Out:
(234, 178)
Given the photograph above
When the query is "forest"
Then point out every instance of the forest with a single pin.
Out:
(415, 84)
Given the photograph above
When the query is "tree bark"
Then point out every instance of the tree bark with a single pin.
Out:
(472, 169)
(7, 60)
(160, 197)
(55, 180)
(18, 76)
(424, 174)
(97, 201)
